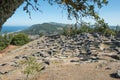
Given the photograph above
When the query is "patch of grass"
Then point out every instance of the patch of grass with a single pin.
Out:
(31, 66)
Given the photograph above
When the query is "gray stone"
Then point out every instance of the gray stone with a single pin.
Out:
(36, 54)
(118, 74)
(43, 68)
(107, 68)
(14, 64)
(3, 73)
(46, 61)
(117, 57)
(25, 57)
(89, 52)
(17, 57)
(117, 49)
(94, 58)
(33, 55)
(84, 58)
(4, 64)
(43, 54)
(74, 60)
(118, 44)
(50, 53)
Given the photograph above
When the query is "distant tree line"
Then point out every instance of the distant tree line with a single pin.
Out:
(98, 27)
(13, 39)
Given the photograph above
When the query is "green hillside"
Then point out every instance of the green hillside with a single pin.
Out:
(46, 28)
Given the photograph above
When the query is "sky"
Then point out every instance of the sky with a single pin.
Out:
(110, 13)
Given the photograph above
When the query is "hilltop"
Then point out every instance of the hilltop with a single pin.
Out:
(79, 57)
(46, 28)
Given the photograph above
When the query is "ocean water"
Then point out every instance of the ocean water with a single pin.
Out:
(7, 29)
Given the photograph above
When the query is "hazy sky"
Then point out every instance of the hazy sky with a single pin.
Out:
(110, 13)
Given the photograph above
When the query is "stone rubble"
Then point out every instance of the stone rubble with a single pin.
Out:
(85, 47)
(118, 74)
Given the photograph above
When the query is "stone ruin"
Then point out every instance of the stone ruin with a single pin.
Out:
(77, 49)
(84, 46)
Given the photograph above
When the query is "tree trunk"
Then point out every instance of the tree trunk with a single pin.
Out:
(7, 9)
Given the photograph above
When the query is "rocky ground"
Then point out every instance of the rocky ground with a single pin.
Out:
(80, 57)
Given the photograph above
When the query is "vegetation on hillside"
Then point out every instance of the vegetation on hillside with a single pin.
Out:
(20, 39)
(51, 28)
(14, 39)
(99, 27)
(3, 43)
(45, 28)
(5, 40)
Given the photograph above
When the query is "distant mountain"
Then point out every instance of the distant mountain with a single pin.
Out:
(60, 24)
(46, 28)
(50, 28)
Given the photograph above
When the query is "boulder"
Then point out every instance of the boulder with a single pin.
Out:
(17, 57)
(84, 58)
(117, 57)
(43, 54)
(74, 60)
(50, 53)
(3, 73)
(25, 57)
(117, 49)
(46, 61)
(118, 44)
(14, 64)
(118, 74)
(4, 64)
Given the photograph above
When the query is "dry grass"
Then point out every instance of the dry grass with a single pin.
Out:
(89, 71)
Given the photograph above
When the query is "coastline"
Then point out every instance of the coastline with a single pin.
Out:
(12, 29)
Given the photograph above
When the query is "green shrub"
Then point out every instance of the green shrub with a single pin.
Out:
(20, 39)
(84, 28)
(41, 34)
(2, 45)
(4, 41)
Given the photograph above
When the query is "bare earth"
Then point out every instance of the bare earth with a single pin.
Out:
(88, 71)
(7, 50)
(64, 70)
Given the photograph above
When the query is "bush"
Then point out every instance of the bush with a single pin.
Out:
(41, 34)
(4, 41)
(2, 45)
(84, 28)
(7, 39)
(110, 32)
(20, 39)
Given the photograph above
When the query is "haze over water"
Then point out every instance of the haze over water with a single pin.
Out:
(7, 29)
